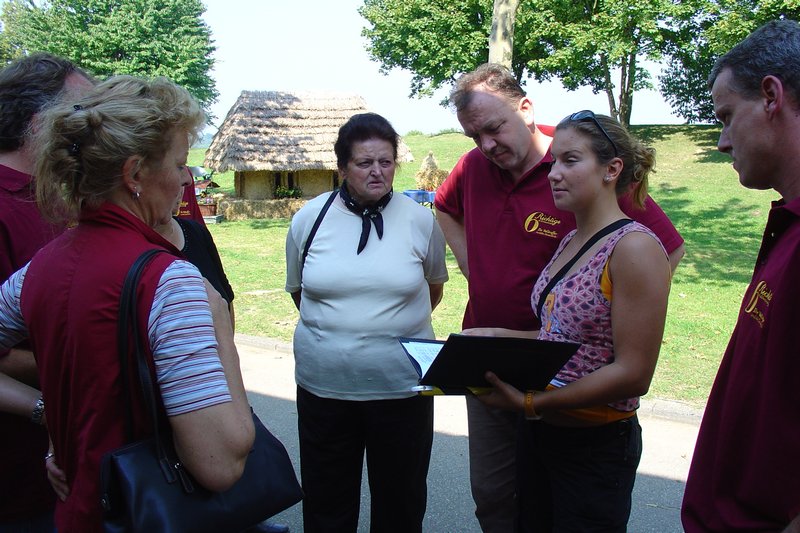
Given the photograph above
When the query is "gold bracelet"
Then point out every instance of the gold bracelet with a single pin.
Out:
(530, 412)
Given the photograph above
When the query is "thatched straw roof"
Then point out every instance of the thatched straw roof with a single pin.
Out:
(275, 131)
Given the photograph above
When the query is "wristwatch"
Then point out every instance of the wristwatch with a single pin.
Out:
(38, 412)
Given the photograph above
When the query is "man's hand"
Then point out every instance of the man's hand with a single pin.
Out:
(55, 475)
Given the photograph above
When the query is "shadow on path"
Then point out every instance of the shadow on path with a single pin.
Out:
(656, 500)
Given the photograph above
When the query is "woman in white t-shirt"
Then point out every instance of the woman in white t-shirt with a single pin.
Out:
(374, 272)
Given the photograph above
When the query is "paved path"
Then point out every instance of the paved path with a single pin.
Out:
(669, 431)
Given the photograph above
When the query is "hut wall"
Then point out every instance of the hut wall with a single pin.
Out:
(238, 184)
(260, 184)
(315, 182)
(256, 185)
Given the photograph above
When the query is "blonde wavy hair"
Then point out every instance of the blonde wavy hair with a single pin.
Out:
(83, 145)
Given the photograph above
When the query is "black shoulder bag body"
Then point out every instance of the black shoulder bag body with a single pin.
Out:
(614, 226)
(144, 487)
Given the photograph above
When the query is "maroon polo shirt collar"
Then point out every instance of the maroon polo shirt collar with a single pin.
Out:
(793, 206)
(14, 180)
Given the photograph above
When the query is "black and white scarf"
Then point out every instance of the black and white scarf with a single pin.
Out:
(367, 214)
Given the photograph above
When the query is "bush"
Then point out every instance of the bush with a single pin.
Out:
(448, 131)
(285, 192)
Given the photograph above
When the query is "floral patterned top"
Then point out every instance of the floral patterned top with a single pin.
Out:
(578, 309)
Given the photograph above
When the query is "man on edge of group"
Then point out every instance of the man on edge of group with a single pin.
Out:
(745, 475)
(497, 212)
(26, 87)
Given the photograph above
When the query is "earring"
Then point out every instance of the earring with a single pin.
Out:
(607, 179)
(135, 194)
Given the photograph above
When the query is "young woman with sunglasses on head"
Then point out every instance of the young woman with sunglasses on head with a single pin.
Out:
(581, 443)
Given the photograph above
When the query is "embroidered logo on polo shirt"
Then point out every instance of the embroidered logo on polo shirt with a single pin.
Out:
(542, 224)
(759, 302)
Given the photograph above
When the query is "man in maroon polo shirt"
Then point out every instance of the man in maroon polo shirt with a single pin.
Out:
(26, 86)
(498, 216)
(745, 473)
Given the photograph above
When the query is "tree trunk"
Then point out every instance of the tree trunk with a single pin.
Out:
(609, 90)
(626, 92)
(501, 40)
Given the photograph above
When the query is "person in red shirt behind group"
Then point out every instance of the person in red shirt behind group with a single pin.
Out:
(188, 206)
(113, 162)
(26, 86)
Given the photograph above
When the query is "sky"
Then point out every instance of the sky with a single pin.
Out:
(316, 45)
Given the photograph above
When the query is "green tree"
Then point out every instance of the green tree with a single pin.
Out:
(106, 37)
(594, 43)
(6, 51)
(712, 29)
(435, 40)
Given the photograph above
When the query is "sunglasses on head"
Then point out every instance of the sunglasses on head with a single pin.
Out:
(587, 115)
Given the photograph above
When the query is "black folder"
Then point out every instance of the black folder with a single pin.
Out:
(462, 362)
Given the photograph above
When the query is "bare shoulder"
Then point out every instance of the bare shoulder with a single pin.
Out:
(639, 253)
(639, 242)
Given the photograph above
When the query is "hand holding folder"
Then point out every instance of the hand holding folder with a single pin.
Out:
(459, 365)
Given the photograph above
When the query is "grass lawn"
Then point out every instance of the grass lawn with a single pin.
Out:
(697, 187)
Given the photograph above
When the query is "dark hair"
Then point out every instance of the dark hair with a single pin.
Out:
(771, 50)
(638, 160)
(81, 148)
(27, 86)
(496, 78)
(363, 127)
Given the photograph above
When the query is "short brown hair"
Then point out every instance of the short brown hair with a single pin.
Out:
(359, 128)
(495, 77)
(27, 86)
(771, 50)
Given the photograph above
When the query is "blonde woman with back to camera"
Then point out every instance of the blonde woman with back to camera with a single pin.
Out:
(114, 162)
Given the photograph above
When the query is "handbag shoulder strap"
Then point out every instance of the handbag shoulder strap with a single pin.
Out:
(315, 227)
(128, 318)
(585, 248)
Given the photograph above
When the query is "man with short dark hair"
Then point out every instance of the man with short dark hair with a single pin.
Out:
(745, 475)
(497, 213)
(26, 87)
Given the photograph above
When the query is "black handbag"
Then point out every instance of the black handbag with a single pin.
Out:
(144, 487)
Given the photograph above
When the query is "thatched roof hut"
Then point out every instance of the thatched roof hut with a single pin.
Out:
(279, 140)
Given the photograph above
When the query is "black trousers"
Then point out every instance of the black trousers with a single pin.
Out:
(397, 436)
(577, 479)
